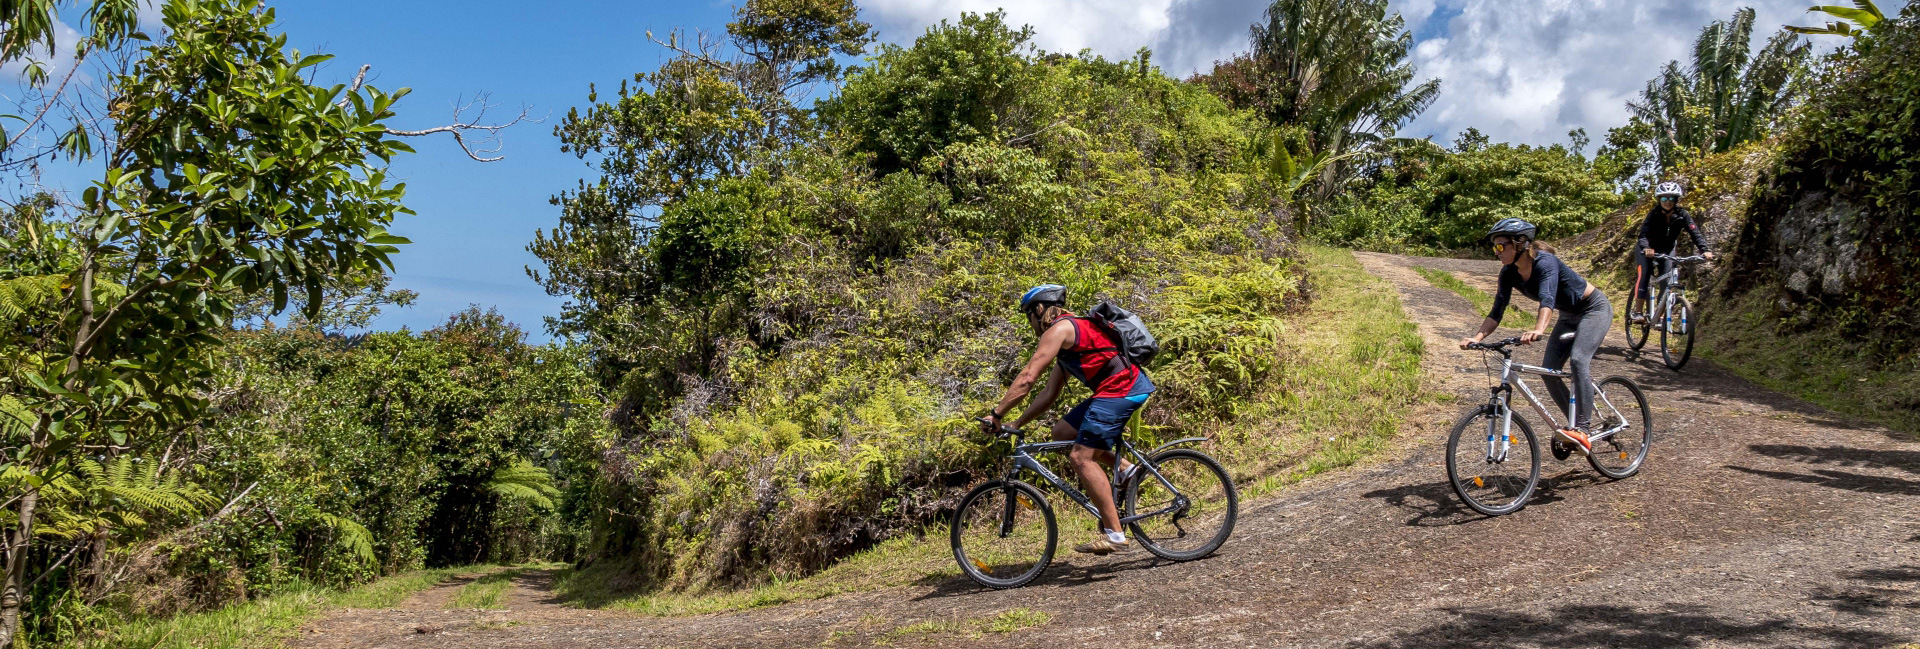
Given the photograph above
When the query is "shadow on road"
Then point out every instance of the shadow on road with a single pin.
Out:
(1066, 576)
(1908, 461)
(1435, 505)
(1842, 456)
(1677, 625)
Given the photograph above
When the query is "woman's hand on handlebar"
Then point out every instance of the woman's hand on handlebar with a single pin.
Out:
(1527, 338)
(1467, 343)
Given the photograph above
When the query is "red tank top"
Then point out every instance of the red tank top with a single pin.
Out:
(1093, 349)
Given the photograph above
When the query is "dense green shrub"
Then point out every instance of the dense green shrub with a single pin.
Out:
(1448, 199)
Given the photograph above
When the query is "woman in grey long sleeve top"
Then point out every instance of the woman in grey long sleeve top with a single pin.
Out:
(1584, 311)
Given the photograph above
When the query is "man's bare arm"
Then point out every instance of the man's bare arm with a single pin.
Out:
(1051, 342)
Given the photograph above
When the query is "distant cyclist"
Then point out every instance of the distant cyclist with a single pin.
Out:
(1584, 311)
(1076, 346)
(1658, 234)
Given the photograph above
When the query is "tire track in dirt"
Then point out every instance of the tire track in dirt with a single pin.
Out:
(1758, 521)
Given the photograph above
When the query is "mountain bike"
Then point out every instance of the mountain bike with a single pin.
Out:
(1489, 479)
(1178, 503)
(1671, 310)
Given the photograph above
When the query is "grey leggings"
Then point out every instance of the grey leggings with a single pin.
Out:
(1590, 326)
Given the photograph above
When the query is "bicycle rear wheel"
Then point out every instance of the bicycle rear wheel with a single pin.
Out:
(1492, 486)
(1199, 509)
(1621, 402)
(1676, 338)
(1003, 534)
(1637, 332)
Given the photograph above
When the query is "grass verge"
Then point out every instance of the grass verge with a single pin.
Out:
(1349, 374)
(1482, 302)
(266, 622)
(1826, 366)
(487, 592)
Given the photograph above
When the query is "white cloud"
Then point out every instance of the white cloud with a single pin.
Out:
(1112, 28)
(1529, 71)
(1519, 70)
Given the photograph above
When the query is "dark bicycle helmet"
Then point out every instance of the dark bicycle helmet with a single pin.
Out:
(1043, 294)
(1512, 228)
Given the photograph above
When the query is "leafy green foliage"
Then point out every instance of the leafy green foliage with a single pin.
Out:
(226, 175)
(794, 345)
(1336, 68)
(1850, 152)
(1428, 199)
(1863, 13)
(524, 482)
(952, 87)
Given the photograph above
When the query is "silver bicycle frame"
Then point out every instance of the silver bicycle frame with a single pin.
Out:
(1023, 460)
(1500, 443)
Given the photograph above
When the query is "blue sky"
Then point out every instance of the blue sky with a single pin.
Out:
(1520, 70)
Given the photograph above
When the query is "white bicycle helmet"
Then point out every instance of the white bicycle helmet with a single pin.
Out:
(1667, 189)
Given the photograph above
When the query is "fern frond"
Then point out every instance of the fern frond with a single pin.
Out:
(19, 294)
(524, 482)
(351, 535)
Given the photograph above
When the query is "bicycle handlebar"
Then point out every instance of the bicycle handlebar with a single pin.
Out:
(1683, 260)
(1502, 345)
(1496, 346)
(1005, 430)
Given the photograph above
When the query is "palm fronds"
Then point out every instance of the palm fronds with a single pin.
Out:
(1862, 17)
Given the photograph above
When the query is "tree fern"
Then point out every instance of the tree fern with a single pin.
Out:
(21, 294)
(120, 495)
(524, 482)
(351, 535)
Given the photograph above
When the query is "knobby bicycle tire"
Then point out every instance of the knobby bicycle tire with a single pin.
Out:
(1645, 327)
(1680, 316)
(1199, 465)
(997, 495)
(1611, 448)
(1476, 419)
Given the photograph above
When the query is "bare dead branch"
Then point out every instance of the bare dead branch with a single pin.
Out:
(460, 129)
(703, 54)
(357, 80)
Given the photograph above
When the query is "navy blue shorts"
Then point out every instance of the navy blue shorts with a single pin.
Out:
(1101, 421)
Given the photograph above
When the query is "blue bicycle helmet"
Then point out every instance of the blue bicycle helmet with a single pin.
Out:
(1043, 294)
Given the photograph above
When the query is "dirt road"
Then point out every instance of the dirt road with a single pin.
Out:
(1759, 521)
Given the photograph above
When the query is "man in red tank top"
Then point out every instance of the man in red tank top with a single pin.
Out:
(1074, 346)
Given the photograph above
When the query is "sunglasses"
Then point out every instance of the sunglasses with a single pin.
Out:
(1668, 199)
(1502, 247)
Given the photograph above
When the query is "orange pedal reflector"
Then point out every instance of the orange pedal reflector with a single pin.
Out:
(982, 565)
(1623, 455)
(1024, 502)
(1478, 483)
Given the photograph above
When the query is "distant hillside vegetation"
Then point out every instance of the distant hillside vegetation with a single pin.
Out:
(1817, 295)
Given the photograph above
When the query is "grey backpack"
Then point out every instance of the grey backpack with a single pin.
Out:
(1135, 342)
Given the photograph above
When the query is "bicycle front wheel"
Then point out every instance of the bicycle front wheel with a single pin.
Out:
(1004, 534)
(1620, 404)
(1492, 475)
(1676, 338)
(1192, 505)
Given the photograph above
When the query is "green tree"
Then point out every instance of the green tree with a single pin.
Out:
(226, 175)
(1726, 96)
(1334, 67)
(956, 84)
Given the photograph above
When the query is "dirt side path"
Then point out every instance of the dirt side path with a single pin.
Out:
(1759, 521)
